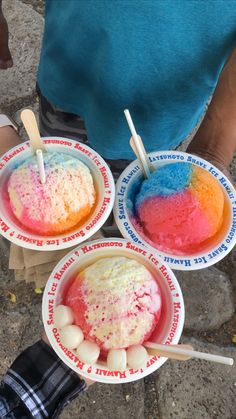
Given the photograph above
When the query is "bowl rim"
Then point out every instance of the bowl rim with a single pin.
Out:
(177, 262)
(35, 241)
(49, 301)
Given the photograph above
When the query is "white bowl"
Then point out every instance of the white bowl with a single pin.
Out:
(167, 331)
(14, 231)
(222, 243)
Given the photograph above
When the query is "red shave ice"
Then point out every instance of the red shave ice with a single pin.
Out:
(116, 302)
(64, 200)
(179, 208)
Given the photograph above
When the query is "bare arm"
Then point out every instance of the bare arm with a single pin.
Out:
(5, 55)
(215, 139)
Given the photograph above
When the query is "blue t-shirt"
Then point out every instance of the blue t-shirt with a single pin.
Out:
(161, 59)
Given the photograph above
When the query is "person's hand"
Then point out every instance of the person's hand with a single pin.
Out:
(5, 55)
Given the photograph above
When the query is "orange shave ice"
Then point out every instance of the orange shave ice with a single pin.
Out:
(116, 302)
(58, 205)
(179, 208)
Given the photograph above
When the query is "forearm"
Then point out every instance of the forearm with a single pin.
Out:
(8, 139)
(38, 384)
(216, 136)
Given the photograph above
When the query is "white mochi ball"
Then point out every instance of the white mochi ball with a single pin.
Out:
(88, 352)
(63, 316)
(116, 359)
(71, 336)
(137, 356)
